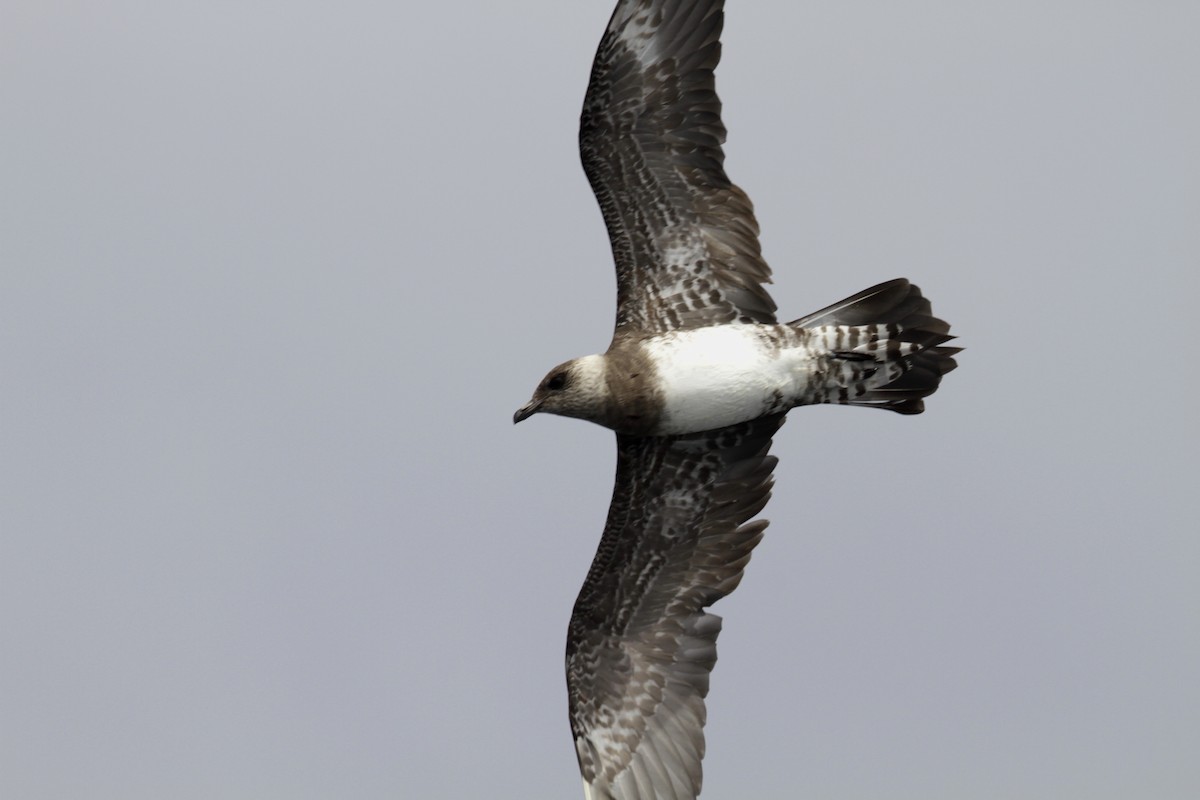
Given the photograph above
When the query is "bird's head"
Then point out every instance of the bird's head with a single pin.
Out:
(574, 388)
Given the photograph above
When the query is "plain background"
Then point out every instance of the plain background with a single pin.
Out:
(274, 277)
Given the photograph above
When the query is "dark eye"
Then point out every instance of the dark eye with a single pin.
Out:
(556, 381)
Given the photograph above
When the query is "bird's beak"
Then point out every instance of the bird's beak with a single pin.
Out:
(526, 411)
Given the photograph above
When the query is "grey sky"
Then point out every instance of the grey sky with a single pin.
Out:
(274, 276)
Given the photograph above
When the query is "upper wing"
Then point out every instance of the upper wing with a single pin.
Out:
(640, 646)
(684, 238)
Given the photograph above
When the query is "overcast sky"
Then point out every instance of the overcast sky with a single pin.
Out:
(274, 277)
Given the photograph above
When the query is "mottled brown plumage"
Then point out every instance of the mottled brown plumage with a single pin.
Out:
(640, 645)
(684, 238)
(695, 383)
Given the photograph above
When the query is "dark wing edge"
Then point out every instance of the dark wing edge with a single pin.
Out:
(684, 238)
(640, 645)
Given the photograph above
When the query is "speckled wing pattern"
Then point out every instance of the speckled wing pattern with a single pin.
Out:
(684, 238)
(640, 645)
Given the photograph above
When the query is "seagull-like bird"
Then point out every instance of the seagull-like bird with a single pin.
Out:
(696, 381)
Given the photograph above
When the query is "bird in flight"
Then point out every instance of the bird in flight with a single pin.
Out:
(697, 380)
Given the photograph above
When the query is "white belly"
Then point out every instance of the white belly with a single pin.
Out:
(723, 375)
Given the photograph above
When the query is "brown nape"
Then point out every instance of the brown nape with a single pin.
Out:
(635, 402)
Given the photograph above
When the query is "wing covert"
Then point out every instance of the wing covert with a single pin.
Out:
(640, 644)
(684, 238)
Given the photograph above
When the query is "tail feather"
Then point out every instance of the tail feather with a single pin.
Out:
(884, 349)
(886, 302)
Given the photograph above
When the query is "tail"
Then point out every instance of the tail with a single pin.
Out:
(880, 348)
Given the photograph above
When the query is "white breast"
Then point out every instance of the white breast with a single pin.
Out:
(722, 375)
